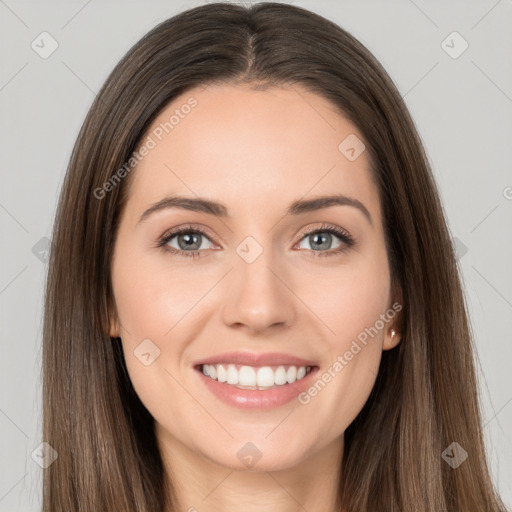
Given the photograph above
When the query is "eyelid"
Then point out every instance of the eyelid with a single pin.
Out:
(199, 228)
(338, 231)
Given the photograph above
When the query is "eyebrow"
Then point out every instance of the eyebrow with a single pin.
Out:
(202, 205)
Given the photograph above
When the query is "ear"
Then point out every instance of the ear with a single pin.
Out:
(392, 339)
(393, 334)
(114, 328)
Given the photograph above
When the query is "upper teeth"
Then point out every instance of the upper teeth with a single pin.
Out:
(264, 376)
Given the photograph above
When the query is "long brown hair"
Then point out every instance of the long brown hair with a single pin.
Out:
(425, 396)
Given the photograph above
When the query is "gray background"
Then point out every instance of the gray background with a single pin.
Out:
(462, 108)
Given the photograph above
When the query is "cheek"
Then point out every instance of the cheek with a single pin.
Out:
(154, 294)
(155, 301)
(351, 299)
(351, 362)
(149, 306)
(355, 305)
(350, 381)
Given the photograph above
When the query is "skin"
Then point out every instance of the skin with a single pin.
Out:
(256, 152)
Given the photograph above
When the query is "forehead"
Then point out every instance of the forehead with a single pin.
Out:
(251, 148)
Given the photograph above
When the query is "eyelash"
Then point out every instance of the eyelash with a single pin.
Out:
(346, 238)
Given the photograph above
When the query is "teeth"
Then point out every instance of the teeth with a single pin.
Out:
(248, 377)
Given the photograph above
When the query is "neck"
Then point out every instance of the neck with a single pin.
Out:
(199, 483)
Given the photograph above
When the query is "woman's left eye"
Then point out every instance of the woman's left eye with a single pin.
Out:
(189, 241)
(322, 236)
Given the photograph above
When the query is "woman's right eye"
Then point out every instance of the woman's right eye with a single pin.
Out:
(184, 241)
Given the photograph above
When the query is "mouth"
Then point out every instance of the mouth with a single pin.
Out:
(255, 378)
(256, 387)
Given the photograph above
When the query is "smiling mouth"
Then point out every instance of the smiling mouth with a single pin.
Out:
(254, 378)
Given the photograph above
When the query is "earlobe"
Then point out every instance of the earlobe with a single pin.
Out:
(391, 340)
(114, 331)
(394, 335)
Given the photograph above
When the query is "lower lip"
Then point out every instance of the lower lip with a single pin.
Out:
(255, 399)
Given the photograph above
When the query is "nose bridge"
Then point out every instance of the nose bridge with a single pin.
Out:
(257, 296)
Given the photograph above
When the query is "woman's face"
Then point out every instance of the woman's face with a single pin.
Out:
(267, 276)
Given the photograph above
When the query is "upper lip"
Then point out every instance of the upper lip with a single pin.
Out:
(254, 359)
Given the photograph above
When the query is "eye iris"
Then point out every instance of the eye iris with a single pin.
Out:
(325, 240)
(189, 240)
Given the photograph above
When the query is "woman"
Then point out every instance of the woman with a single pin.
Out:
(201, 350)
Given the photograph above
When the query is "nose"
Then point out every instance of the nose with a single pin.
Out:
(259, 296)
